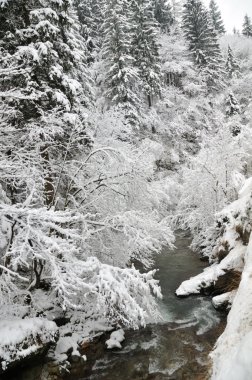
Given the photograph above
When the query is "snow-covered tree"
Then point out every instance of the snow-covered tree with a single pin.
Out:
(121, 78)
(211, 181)
(144, 47)
(44, 93)
(45, 87)
(233, 107)
(232, 65)
(103, 213)
(216, 18)
(247, 26)
(163, 14)
(195, 25)
(203, 42)
(91, 17)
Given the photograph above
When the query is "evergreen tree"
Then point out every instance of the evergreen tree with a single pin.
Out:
(120, 76)
(145, 47)
(216, 18)
(91, 18)
(247, 26)
(163, 14)
(44, 87)
(203, 42)
(233, 107)
(232, 66)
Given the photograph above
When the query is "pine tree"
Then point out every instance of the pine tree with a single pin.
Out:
(232, 66)
(196, 29)
(163, 14)
(203, 42)
(91, 18)
(44, 86)
(44, 94)
(233, 107)
(247, 26)
(145, 47)
(120, 76)
(215, 15)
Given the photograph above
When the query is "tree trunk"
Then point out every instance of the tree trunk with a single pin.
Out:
(48, 187)
(149, 100)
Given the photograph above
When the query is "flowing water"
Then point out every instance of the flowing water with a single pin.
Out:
(178, 347)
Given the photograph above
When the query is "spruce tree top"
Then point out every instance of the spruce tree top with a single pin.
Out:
(232, 66)
(216, 17)
(202, 41)
(247, 26)
(163, 14)
(199, 32)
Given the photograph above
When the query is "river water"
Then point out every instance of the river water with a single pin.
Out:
(176, 348)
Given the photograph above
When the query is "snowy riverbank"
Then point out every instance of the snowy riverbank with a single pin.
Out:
(232, 354)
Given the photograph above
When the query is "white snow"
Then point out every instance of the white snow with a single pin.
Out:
(44, 13)
(232, 357)
(3, 3)
(62, 99)
(66, 345)
(226, 298)
(17, 334)
(194, 284)
(115, 340)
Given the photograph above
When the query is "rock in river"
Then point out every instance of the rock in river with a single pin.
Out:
(23, 339)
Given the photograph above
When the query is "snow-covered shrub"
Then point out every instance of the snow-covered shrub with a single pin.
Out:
(210, 181)
(107, 211)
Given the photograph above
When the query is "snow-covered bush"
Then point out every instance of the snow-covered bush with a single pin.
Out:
(210, 181)
(107, 211)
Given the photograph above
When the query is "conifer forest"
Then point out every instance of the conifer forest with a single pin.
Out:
(125, 190)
